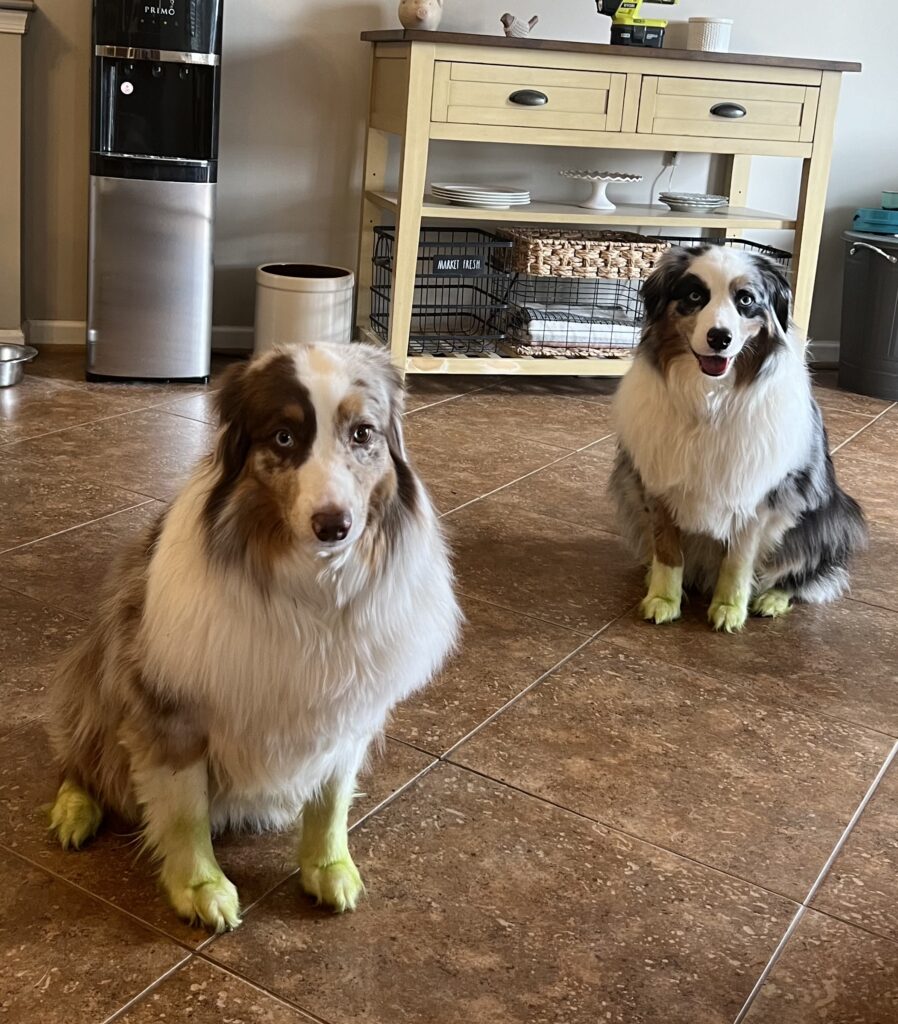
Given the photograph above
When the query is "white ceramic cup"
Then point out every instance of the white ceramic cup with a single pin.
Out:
(710, 34)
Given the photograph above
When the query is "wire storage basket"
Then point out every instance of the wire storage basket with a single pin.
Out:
(588, 303)
(573, 317)
(461, 291)
(780, 256)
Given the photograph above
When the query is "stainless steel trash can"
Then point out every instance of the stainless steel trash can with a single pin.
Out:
(868, 350)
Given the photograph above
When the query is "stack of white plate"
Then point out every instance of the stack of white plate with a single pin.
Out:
(693, 202)
(490, 197)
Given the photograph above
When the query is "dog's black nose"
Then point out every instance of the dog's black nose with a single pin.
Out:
(719, 338)
(331, 524)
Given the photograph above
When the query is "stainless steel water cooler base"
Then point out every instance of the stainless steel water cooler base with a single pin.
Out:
(149, 314)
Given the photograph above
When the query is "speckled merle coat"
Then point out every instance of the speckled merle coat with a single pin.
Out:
(723, 454)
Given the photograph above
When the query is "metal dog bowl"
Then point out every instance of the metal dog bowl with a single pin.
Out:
(12, 363)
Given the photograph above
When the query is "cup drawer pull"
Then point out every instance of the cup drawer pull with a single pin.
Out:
(529, 98)
(728, 110)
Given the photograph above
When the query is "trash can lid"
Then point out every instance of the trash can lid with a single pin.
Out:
(883, 241)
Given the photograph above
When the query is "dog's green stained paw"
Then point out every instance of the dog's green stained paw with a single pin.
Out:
(214, 902)
(771, 604)
(338, 884)
(75, 816)
(658, 609)
(728, 616)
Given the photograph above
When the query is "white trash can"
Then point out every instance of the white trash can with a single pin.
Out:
(302, 302)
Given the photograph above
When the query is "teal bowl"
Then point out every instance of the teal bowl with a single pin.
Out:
(890, 200)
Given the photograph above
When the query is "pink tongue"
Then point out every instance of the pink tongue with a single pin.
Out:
(713, 366)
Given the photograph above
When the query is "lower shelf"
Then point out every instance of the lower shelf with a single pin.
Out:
(517, 366)
(461, 364)
(511, 366)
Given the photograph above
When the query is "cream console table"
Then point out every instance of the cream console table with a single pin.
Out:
(440, 85)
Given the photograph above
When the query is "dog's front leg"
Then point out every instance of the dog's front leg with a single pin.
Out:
(729, 605)
(327, 870)
(175, 805)
(665, 594)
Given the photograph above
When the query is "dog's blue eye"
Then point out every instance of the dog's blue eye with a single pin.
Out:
(745, 299)
(362, 434)
(284, 439)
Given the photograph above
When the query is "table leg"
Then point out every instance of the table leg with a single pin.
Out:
(413, 156)
(812, 202)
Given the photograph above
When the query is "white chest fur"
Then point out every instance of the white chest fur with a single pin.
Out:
(711, 450)
(288, 688)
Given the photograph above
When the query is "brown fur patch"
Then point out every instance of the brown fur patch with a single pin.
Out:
(668, 339)
(666, 539)
(171, 731)
(350, 410)
(246, 512)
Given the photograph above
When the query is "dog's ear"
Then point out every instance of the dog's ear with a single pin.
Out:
(657, 289)
(234, 440)
(406, 482)
(779, 290)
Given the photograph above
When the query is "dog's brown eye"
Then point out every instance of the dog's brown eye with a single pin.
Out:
(283, 439)
(362, 434)
(695, 296)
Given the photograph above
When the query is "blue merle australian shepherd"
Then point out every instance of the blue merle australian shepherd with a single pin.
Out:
(723, 477)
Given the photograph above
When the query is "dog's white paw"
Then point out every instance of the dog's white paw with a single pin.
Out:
(338, 884)
(728, 617)
(659, 610)
(75, 816)
(771, 604)
(214, 902)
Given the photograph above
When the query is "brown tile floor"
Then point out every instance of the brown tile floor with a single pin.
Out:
(565, 827)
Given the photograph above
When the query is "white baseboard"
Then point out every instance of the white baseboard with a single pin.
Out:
(11, 336)
(73, 332)
(824, 353)
(55, 332)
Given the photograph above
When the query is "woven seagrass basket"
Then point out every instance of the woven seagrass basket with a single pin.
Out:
(554, 252)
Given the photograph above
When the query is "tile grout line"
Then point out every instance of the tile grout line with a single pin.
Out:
(791, 701)
(530, 686)
(155, 929)
(78, 526)
(567, 455)
(10, 445)
(617, 830)
(574, 630)
(866, 426)
(259, 987)
(149, 989)
(816, 886)
(211, 939)
(448, 398)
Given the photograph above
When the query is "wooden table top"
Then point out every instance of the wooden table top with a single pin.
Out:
(472, 39)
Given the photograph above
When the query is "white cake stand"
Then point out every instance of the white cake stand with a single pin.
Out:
(600, 181)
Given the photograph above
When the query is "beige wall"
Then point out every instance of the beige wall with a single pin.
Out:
(293, 92)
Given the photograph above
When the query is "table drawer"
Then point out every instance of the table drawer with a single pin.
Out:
(494, 94)
(727, 110)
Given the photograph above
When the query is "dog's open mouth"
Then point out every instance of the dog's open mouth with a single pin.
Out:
(713, 366)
